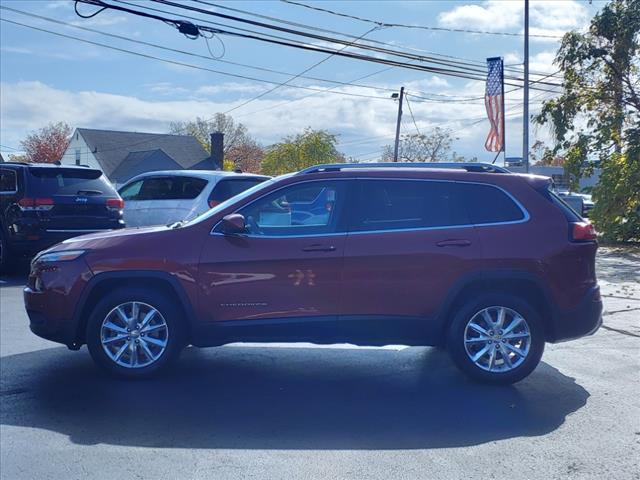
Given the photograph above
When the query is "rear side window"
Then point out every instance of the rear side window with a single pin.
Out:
(488, 204)
(165, 188)
(225, 189)
(45, 182)
(8, 181)
(406, 204)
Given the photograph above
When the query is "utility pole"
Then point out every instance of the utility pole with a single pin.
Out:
(400, 99)
(525, 119)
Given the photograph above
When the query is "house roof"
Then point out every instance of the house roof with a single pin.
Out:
(112, 147)
(137, 162)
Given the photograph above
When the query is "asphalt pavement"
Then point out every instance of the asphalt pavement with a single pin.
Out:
(303, 411)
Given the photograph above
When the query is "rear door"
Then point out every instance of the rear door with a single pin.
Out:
(409, 242)
(73, 199)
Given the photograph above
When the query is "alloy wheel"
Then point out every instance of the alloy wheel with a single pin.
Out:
(134, 335)
(497, 339)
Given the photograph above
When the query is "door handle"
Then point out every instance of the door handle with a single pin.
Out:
(454, 242)
(319, 248)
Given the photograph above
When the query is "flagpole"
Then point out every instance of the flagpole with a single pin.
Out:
(525, 120)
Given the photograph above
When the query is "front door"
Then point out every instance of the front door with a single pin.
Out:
(286, 268)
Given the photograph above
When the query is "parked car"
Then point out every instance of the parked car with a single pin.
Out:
(162, 198)
(493, 265)
(43, 204)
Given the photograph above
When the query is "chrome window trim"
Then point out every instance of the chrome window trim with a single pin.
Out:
(15, 183)
(526, 216)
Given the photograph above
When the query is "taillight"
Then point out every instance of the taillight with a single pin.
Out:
(39, 204)
(115, 203)
(213, 203)
(583, 232)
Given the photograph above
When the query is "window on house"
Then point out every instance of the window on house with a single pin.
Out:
(77, 156)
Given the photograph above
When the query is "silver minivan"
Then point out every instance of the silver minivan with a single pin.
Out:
(165, 197)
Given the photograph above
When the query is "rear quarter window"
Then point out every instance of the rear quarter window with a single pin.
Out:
(8, 181)
(489, 204)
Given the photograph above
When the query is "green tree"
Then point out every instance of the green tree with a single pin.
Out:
(596, 118)
(306, 149)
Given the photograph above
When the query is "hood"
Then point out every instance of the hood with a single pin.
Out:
(103, 239)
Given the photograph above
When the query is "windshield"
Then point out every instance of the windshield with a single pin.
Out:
(231, 201)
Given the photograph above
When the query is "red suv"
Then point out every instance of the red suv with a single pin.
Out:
(490, 264)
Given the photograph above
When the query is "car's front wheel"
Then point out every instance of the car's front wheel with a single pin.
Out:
(134, 332)
(496, 338)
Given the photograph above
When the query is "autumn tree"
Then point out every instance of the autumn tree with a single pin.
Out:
(48, 144)
(434, 146)
(239, 148)
(596, 118)
(306, 149)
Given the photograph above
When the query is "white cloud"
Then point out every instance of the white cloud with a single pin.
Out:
(30, 105)
(546, 17)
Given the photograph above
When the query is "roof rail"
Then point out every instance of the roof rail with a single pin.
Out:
(469, 167)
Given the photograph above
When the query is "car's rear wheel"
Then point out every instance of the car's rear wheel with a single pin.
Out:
(135, 332)
(496, 338)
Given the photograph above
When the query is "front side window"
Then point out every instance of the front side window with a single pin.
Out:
(8, 181)
(409, 204)
(312, 208)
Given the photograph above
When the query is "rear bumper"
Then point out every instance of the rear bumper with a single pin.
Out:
(584, 320)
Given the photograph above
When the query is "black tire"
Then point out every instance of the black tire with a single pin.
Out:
(458, 350)
(170, 313)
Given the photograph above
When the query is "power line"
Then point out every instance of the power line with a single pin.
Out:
(412, 117)
(295, 76)
(182, 64)
(457, 72)
(422, 27)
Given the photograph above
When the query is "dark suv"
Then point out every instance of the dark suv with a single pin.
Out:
(489, 263)
(43, 204)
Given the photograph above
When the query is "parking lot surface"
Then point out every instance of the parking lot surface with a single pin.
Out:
(303, 411)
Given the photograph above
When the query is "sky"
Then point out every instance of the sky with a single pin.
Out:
(48, 78)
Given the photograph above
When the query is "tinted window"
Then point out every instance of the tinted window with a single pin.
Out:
(402, 204)
(488, 204)
(66, 181)
(8, 181)
(282, 212)
(166, 188)
(225, 189)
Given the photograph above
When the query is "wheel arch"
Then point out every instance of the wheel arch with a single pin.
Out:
(517, 283)
(103, 283)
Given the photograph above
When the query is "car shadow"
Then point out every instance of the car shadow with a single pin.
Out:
(260, 397)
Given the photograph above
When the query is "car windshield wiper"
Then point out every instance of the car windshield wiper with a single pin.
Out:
(89, 192)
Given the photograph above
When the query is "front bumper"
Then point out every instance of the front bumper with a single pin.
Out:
(50, 299)
(584, 320)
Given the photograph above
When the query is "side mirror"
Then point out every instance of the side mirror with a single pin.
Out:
(233, 224)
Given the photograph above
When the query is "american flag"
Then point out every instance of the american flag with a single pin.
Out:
(494, 102)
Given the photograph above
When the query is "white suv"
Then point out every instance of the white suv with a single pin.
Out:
(165, 197)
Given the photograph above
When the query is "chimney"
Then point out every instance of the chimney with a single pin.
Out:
(217, 155)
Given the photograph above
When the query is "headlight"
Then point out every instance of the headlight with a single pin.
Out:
(63, 256)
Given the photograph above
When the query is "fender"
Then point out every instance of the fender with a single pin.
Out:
(487, 280)
(100, 278)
